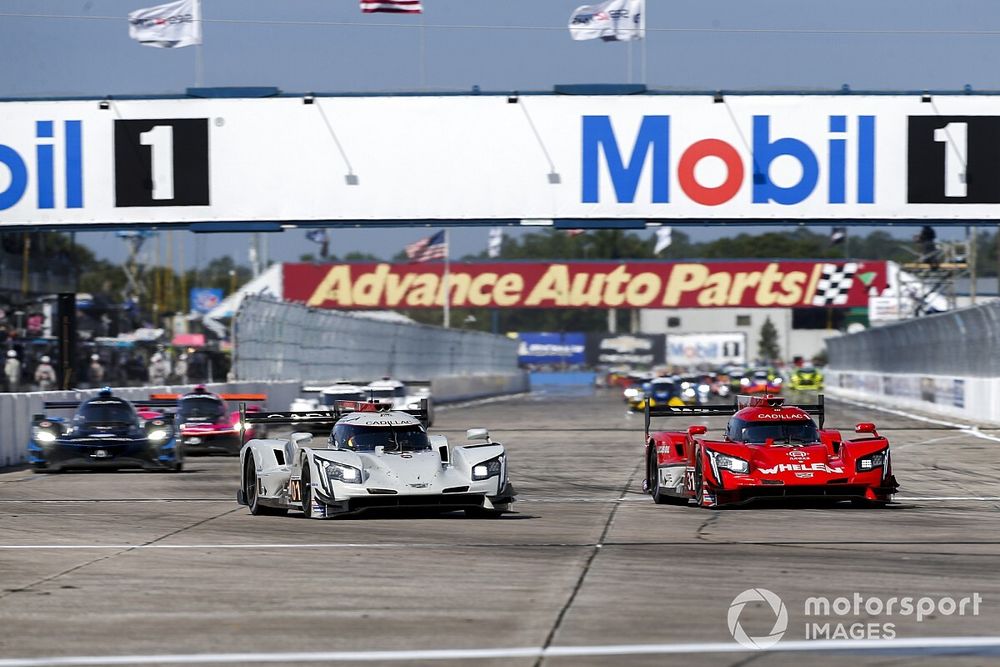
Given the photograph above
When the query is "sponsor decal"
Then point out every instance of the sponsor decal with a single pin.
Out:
(804, 475)
(66, 149)
(651, 160)
(798, 455)
(161, 162)
(640, 284)
(796, 416)
(801, 467)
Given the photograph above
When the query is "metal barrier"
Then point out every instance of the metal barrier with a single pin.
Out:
(279, 340)
(956, 344)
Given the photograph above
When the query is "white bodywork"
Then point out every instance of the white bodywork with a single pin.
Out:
(441, 477)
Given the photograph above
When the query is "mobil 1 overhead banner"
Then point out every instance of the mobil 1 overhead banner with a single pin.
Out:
(481, 157)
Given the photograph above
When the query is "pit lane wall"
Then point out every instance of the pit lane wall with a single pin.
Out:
(946, 364)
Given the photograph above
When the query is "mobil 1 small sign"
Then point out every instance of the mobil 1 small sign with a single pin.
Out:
(161, 162)
(953, 160)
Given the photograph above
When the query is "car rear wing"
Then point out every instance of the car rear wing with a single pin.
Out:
(225, 397)
(317, 388)
(313, 417)
(818, 409)
(72, 405)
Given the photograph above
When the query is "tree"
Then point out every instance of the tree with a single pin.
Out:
(767, 345)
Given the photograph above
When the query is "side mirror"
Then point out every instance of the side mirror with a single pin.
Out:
(440, 443)
(698, 429)
(302, 439)
(478, 434)
(865, 427)
(769, 442)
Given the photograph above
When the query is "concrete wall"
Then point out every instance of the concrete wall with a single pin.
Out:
(16, 409)
(975, 399)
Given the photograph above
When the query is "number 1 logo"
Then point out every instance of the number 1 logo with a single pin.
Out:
(953, 160)
(161, 162)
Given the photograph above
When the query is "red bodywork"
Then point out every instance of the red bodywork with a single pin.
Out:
(722, 470)
(222, 433)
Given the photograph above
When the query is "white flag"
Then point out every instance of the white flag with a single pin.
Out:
(612, 21)
(168, 26)
(495, 242)
(663, 240)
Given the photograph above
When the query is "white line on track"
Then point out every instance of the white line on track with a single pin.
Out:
(966, 644)
(970, 429)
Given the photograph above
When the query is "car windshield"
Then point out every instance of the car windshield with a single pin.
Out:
(663, 387)
(411, 438)
(386, 392)
(797, 432)
(201, 408)
(105, 412)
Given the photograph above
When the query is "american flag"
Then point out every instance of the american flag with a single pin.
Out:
(392, 6)
(430, 248)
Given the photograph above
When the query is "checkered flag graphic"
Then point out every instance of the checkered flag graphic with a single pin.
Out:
(835, 284)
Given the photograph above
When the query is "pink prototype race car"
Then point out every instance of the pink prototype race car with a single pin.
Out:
(768, 450)
(207, 425)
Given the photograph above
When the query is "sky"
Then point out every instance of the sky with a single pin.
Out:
(328, 45)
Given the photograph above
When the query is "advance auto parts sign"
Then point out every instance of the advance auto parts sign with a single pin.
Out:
(750, 284)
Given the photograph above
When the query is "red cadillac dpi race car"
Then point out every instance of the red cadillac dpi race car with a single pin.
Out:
(206, 423)
(768, 450)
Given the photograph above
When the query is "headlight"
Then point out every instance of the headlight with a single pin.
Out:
(704, 388)
(486, 469)
(689, 391)
(777, 380)
(631, 392)
(872, 461)
(340, 472)
(744, 381)
(45, 436)
(731, 463)
(159, 434)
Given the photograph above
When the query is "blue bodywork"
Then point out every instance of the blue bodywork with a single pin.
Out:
(104, 433)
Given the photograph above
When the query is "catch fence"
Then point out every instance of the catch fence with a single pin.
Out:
(276, 340)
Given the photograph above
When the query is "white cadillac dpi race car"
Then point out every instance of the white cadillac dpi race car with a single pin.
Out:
(376, 457)
(402, 394)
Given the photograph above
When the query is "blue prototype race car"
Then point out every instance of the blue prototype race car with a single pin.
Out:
(104, 433)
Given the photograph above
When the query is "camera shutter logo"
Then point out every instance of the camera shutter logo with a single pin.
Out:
(780, 621)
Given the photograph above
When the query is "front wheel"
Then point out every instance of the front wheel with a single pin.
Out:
(306, 488)
(251, 484)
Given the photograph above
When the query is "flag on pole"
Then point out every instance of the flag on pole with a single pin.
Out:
(663, 239)
(495, 242)
(168, 26)
(431, 248)
(611, 20)
(838, 235)
(317, 235)
(392, 6)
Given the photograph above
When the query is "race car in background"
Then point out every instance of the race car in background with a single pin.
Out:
(327, 397)
(658, 391)
(695, 389)
(768, 450)
(806, 378)
(761, 381)
(403, 395)
(376, 457)
(207, 425)
(104, 433)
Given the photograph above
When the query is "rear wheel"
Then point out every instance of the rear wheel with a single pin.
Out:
(251, 484)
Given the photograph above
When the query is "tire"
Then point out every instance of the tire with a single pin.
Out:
(306, 490)
(250, 489)
(699, 482)
(659, 497)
